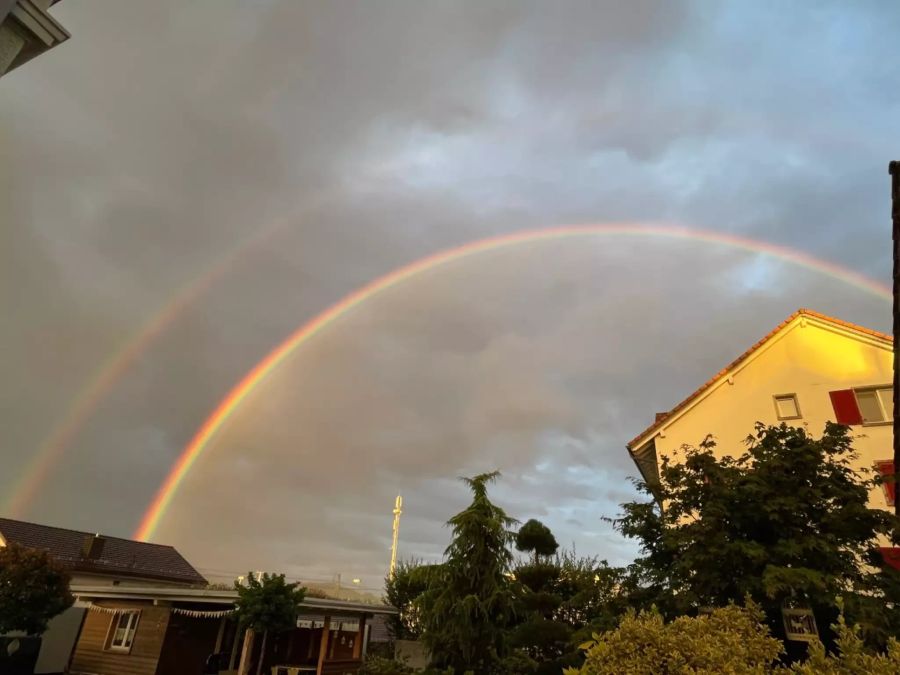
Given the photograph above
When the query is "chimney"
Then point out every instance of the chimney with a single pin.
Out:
(93, 547)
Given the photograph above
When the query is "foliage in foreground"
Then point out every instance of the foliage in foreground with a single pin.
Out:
(267, 602)
(729, 640)
(34, 588)
(402, 590)
(377, 665)
(786, 522)
(469, 606)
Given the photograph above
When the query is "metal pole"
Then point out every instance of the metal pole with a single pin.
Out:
(894, 170)
(398, 509)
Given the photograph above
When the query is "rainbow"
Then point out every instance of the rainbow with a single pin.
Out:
(112, 369)
(90, 396)
(232, 401)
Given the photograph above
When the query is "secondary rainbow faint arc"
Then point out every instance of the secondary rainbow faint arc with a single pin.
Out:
(182, 466)
(114, 367)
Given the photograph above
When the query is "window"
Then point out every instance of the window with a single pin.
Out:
(121, 631)
(876, 405)
(865, 405)
(886, 469)
(786, 407)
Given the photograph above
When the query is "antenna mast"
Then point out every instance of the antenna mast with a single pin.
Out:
(398, 509)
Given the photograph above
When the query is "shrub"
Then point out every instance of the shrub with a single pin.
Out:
(851, 658)
(377, 665)
(730, 640)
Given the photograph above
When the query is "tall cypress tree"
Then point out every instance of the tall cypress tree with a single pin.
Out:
(467, 612)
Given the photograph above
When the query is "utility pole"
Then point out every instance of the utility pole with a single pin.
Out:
(894, 170)
(398, 509)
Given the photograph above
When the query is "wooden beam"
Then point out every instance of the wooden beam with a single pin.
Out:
(323, 645)
(360, 636)
(234, 647)
(220, 636)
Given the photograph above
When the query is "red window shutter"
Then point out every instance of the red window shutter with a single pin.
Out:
(846, 410)
(891, 556)
(886, 469)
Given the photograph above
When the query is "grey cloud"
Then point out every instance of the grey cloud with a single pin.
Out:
(146, 149)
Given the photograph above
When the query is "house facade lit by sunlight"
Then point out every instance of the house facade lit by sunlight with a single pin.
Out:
(809, 370)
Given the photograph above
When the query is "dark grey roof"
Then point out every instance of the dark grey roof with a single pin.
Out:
(111, 556)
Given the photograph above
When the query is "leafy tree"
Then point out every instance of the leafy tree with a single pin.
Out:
(265, 603)
(875, 620)
(535, 537)
(402, 590)
(785, 522)
(467, 611)
(563, 601)
(595, 595)
(730, 640)
(851, 656)
(543, 638)
(33, 589)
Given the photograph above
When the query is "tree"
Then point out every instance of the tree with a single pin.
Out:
(850, 657)
(595, 595)
(33, 589)
(403, 590)
(466, 613)
(535, 537)
(785, 522)
(265, 603)
(563, 601)
(543, 638)
(730, 640)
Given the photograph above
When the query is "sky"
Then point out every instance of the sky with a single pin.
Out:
(302, 149)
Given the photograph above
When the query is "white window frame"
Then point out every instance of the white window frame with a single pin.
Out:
(775, 400)
(887, 415)
(133, 616)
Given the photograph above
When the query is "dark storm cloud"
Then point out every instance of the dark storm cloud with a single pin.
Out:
(160, 137)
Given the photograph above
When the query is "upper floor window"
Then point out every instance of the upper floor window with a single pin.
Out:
(886, 469)
(786, 407)
(864, 405)
(876, 404)
(122, 630)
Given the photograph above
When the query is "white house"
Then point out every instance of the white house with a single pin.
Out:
(810, 369)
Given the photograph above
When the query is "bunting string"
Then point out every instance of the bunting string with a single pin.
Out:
(202, 614)
(192, 613)
(111, 610)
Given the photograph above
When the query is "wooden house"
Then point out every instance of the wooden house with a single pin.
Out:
(173, 631)
(96, 560)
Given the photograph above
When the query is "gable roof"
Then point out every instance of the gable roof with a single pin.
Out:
(112, 556)
(662, 418)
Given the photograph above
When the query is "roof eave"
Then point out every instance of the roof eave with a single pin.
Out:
(861, 332)
(221, 597)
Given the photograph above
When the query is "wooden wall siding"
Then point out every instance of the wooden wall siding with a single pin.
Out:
(91, 657)
(189, 642)
(295, 646)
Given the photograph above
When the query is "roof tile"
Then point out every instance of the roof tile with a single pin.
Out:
(662, 417)
(124, 557)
